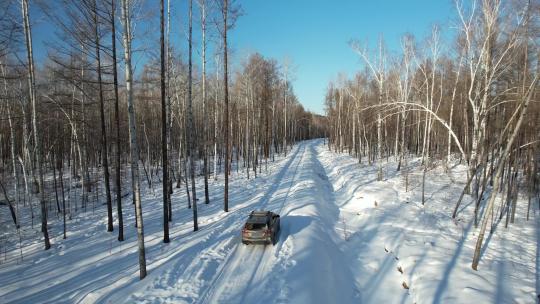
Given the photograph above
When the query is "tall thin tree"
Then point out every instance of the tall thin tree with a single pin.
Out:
(164, 130)
(169, 111)
(118, 181)
(135, 178)
(204, 103)
(37, 142)
(104, 153)
(226, 98)
(191, 125)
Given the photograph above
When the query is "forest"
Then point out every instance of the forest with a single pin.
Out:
(84, 124)
(475, 99)
(137, 135)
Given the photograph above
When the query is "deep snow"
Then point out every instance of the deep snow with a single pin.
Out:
(345, 238)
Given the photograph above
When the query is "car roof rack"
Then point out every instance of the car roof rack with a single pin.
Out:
(260, 212)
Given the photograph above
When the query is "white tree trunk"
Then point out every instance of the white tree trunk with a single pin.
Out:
(496, 181)
(135, 177)
(37, 140)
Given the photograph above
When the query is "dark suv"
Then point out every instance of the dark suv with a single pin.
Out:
(261, 227)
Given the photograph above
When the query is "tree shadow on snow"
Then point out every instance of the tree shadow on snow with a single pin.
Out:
(443, 285)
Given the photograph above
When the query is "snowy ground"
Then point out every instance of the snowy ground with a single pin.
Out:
(345, 238)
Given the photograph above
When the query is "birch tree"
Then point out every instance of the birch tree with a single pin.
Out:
(135, 179)
(520, 112)
(37, 140)
(378, 71)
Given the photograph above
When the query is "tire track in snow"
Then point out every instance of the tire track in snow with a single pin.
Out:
(254, 270)
(276, 250)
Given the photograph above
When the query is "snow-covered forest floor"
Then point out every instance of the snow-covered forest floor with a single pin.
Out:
(345, 238)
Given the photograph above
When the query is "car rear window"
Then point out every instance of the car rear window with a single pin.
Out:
(255, 226)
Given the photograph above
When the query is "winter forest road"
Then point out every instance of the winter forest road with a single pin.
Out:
(345, 238)
(210, 265)
(305, 266)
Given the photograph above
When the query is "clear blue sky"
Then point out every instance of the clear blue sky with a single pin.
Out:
(313, 34)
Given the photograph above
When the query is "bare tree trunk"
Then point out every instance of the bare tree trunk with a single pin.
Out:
(10, 205)
(340, 121)
(61, 166)
(118, 164)
(191, 125)
(273, 141)
(164, 152)
(135, 179)
(216, 119)
(53, 163)
(402, 144)
(25, 157)
(104, 153)
(449, 140)
(248, 142)
(204, 106)
(285, 114)
(169, 110)
(37, 141)
(379, 139)
(82, 153)
(226, 114)
(12, 147)
(26, 190)
(530, 188)
(450, 120)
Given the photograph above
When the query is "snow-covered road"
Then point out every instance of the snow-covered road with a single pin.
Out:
(305, 256)
(345, 238)
(225, 271)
